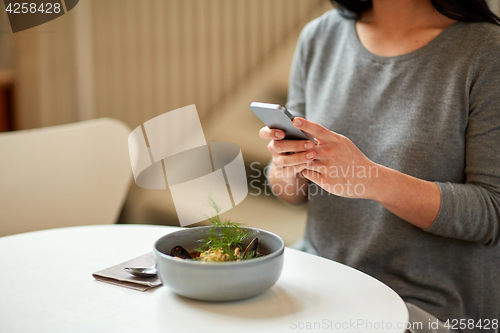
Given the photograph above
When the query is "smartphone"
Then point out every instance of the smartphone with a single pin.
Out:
(278, 117)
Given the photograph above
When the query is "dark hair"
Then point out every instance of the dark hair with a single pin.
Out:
(460, 10)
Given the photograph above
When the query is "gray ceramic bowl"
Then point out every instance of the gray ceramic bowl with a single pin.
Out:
(218, 281)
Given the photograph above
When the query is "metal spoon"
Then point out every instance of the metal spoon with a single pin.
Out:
(142, 272)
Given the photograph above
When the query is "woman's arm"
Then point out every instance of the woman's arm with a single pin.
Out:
(342, 169)
(414, 200)
(470, 211)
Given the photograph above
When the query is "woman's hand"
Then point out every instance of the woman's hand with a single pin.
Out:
(290, 157)
(342, 169)
(339, 166)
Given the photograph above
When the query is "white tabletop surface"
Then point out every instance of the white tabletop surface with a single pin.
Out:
(50, 288)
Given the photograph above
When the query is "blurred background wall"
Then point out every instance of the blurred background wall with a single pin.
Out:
(136, 59)
(133, 60)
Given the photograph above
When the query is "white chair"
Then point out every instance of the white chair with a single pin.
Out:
(66, 175)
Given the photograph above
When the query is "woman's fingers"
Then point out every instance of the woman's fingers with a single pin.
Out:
(294, 159)
(271, 134)
(292, 146)
(288, 153)
(316, 130)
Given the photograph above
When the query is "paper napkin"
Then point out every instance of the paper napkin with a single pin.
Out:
(118, 276)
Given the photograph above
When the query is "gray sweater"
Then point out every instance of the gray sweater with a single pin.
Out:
(434, 114)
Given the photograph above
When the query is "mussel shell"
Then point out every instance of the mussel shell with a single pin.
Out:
(179, 251)
(252, 247)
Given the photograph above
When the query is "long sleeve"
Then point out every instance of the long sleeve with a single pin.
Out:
(471, 211)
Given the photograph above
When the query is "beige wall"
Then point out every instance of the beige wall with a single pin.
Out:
(133, 60)
(5, 36)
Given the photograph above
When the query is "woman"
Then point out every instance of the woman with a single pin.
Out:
(403, 98)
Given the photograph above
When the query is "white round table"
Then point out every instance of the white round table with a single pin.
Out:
(50, 288)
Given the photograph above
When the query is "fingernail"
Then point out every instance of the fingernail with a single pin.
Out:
(279, 135)
(297, 122)
(310, 155)
(308, 145)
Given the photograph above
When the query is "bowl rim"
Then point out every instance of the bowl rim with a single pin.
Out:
(269, 256)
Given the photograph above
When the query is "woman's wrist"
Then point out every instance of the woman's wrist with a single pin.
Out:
(378, 185)
(415, 200)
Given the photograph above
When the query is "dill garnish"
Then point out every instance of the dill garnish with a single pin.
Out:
(224, 239)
